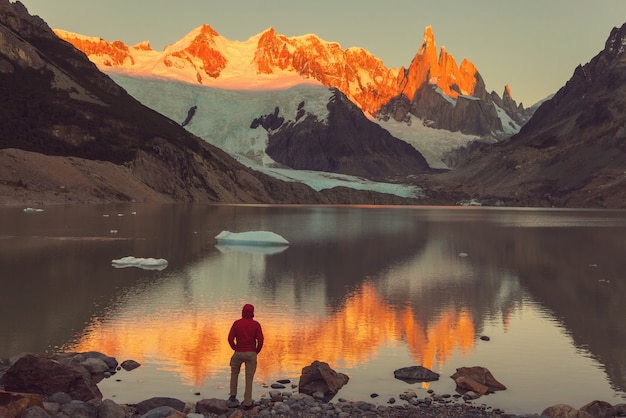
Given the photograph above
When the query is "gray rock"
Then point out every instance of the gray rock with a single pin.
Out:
(111, 362)
(51, 407)
(79, 409)
(35, 412)
(318, 395)
(415, 374)
(156, 402)
(109, 409)
(95, 365)
(60, 397)
(129, 365)
(161, 412)
(212, 406)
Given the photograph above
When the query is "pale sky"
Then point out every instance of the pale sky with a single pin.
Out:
(531, 45)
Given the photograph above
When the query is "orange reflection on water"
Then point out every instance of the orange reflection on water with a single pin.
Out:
(193, 344)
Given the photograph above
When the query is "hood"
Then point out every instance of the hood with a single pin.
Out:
(247, 311)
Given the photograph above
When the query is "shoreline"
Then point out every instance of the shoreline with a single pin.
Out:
(66, 384)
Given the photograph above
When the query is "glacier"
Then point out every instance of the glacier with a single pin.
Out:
(222, 117)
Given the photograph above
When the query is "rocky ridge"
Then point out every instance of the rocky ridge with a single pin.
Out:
(204, 57)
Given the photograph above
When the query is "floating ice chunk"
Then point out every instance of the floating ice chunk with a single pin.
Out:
(470, 202)
(30, 210)
(462, 254)
(250, 238)
(251, 249)
(142, 263)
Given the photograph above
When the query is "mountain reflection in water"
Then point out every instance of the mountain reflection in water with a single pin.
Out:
(192, 342)
(366, 289)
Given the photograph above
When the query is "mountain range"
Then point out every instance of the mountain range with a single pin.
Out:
(434, 86)
(71, 133)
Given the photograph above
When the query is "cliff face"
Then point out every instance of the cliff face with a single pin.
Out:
(206, 58)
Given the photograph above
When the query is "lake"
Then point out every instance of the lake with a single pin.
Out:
(367, 289)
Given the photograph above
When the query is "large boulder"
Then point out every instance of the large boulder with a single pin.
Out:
(477, 379)
(599, 409)
(415, 374)
(564, 411)
(319, 377)
(46, 376)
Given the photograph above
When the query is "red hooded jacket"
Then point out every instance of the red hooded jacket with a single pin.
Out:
(246, 333)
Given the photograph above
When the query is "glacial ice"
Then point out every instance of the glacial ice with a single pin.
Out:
(263, 238)
(142, 263)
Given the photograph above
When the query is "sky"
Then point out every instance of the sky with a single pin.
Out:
(532, 45)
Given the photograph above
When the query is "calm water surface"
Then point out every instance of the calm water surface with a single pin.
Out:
(365, 289)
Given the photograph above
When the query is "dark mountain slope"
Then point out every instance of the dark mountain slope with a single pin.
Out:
(346, 143)
(572, 152)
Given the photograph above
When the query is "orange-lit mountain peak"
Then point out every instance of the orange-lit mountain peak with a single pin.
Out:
(269, 32)
(110, 54)
(207, 30)
(428, 42)
(468, 77)
(424, 67)
(143, 46)
(507, 92)
(272, 51)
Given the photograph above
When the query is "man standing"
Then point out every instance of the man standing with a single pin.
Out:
(246, 338)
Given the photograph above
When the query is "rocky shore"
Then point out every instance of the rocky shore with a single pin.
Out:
(65, 386)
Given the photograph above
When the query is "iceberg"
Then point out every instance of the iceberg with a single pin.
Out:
(143, 263)
(262, 238)
(251, 249)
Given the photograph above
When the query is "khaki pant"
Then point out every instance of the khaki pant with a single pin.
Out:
(249, 358)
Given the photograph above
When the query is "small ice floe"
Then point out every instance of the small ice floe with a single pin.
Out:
(593, 265)
(251, 249)
(32, 210)
(470, 202)
(604, 281)
(133, 213)
(105, 216)
(262, 238)
(462, 254)
(142, 263)
(114, 231)
(120, 214)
